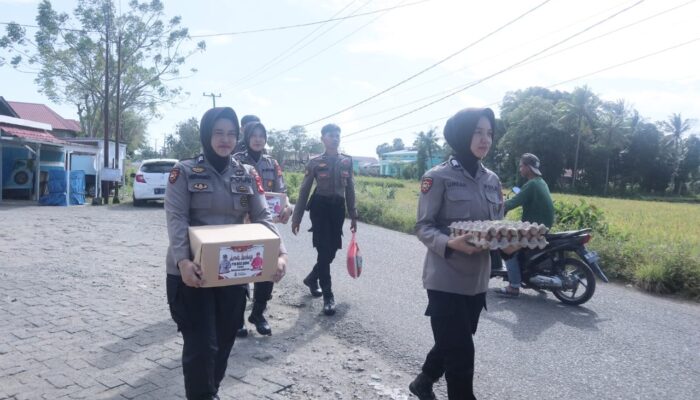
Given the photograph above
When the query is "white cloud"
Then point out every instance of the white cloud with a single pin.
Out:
(255, 100)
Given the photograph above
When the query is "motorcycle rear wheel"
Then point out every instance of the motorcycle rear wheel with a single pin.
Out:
(586, 278)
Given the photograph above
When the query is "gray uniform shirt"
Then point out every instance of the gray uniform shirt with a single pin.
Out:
(334, 177)
(269, 170)
(199, 195)
(448, 194)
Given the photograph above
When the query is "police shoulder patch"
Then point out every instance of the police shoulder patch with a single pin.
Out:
(174, 174)
(259, 184)
(426, 184)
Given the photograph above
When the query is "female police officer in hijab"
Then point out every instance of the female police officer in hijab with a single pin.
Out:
(270, 171)
(455, 273)
(201, 192)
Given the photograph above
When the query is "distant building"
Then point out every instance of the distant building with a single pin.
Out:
(393, 162)
(34, 140)
(360, 164)
(60, 127)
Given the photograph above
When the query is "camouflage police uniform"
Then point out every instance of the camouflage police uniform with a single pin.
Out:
(456, 282)
(335, 190)
(208, 318)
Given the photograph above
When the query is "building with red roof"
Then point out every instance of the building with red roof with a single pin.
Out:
(44, 114)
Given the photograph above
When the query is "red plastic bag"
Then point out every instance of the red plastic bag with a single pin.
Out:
(354, 258)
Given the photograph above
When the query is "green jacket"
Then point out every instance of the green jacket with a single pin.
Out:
(536, 202)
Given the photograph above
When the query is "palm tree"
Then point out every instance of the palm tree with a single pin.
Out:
(676, 126)
(427, 144)
(615, 124)
(580, 110)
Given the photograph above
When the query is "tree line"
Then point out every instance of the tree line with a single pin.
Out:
(292, 147)
(586, 144)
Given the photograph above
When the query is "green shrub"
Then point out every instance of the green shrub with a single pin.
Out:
(618, 257)
(650, 277)
(681, 273)
(580, 216)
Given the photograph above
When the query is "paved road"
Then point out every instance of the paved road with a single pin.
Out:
(82, 306)
(622, 344)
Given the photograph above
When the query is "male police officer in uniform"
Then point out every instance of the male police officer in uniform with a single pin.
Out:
(273, 181)
(335, 189)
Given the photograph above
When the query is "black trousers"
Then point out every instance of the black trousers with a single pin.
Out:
(327, 218)
(208, 319)
(453, 318)
(322, 269)
(263, 291)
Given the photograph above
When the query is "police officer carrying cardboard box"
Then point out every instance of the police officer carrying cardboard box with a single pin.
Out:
(212, 189)
(254, 139)
(335, 189)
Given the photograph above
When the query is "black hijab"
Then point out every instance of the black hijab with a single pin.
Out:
(206, 127)
(458, 132)
(248, 131)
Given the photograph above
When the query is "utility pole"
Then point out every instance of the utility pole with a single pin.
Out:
(105, 184)
(115, 200)
(213, 97)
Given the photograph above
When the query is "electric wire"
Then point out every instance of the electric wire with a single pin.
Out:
(526, 63)
(270, 63)
(318, 53)
(617, 65)
(279, 28)
(499, 72)
(433, 65)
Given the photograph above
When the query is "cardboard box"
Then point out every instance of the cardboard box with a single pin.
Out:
(275, 203)
(234, 254)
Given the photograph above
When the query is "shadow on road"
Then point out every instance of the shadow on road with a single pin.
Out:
(536, 313)
(308, 325)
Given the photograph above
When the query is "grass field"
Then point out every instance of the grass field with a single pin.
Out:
(655, 245)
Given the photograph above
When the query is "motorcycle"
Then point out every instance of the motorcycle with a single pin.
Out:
(572, 280)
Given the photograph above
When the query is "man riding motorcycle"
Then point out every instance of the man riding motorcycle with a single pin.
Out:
(537, 205)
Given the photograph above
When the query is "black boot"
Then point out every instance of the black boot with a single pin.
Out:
(243, 332)
(311, 281)
(258, 319)
(328, 303)
(422, 387)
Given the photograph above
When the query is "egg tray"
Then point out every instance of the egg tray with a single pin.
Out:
(495, 235)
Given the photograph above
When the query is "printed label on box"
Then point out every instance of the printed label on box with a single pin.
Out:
(241, 261)
(274, 204)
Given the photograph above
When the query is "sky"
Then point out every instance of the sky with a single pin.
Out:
(322, 69)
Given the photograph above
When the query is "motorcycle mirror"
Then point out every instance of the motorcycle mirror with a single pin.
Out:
(516, 189)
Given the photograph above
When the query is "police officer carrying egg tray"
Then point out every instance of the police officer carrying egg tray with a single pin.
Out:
(457, 264)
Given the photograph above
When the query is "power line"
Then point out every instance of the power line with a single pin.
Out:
(319, 52)
(612, 31)
(432, 66)
(271, 62)
(399, 129)
(673, 47)
(531, 61)
(57, 28)
(517, 46)
(279, 28)
(500, 71)
(627, 62)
